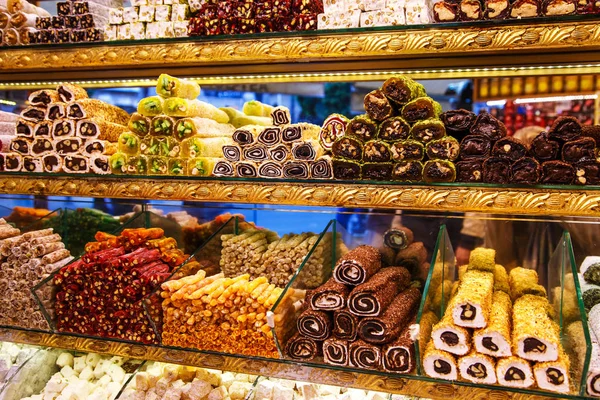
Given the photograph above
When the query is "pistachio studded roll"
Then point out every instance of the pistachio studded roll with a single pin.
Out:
(117, 163)
(477, 368)
(41, 98)
(199, 147)
(438, 171)
(151, 106)
(201, 166)
(400, 89)
(348, 148)
(169, 86)
(176, 107)
(553, 375)
(158, 165)
(302, 348)
(393, 129)
(335, 352)
(495, 340)
(334, 127)
(514, 372)
(70, 92)
(408, 171)
(86, 108)
(362, 127)
(535, 336)
(378, 106)
(471, 305)
(450, 337)
(420, 109)
(201, 127)
(439, 364)
(129, 144)
(162, 125)
(483, 259)
(407, 150)
(524, 281)
(139, 124)
(376, 151)
(427, 130)
(446, 148)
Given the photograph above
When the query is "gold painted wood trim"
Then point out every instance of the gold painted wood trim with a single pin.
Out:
(428, 42)
(401, 384)
(451, 197)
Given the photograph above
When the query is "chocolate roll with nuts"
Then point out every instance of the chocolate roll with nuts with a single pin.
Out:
(330, 296)
(526, 170)
(400, 89)
(421, 109)
(408, 171)
(496, 170)
(592, 131)
(475, 146)
(446, 148)
(439, 171)
(427, 130)
(445, 11)
(345, 325)
(408, 150)
(470, 10)
(525, 9)
(582, 149)
(587, 173)
(302, 348)
(557, 172)
(458, 121)
(346, 170)
(362, 127)
(393, 129)
(496, 9)
(377, 171)
(358, 265)
(469, 171)
(376, 151)
(509, 147)
(489, 126)
(371, 298)
(565, 128)
(348, 148)
(378, 106)
(544, 148)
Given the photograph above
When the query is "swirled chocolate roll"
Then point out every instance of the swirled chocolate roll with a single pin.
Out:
(270, 136)
(281, 116)
(477, 368)
(470, 10)
(398, 238)
(458, 122)
(358, 265)
(407, 150)
(420, 109)
(296, 170)
(427, 130)
(438, 171)
(25, 127)
(335, 352)
(316, 325)
(514, 372)
(393, 129)
(302, 348)
(348, 148)
(378, 106)
(345, 325)
(376, 151)
(496, 170)
(399, 89)
(582, 149)
(321, 169)
(377, 171)
(587, 173)
(509, 147)
(470, 171)
(245, 169)
(256, 153)
(446, 148)
(408, 171)
(399, 355)
(232, 153)
(34, 114)
(362, 127)
(592, 131)
(488, 126)
(439, 364)
(373, 297)
(413, 256)
(308, 150)
(223, 168)
(559, 7)
(364, 355)
(565, 128)
(52, 163)
(445, 11)
(270, 169)
(525, 9)
(346, 170)
(557, 172)
(526, 170)
(330, 296)
(544, 148)
(496, 9)
(280, 153)
(334, 127)
(475, 146)
(247, 135)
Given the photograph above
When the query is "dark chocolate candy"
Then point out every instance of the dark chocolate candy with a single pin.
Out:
(458, 121)
(477, 370)
(393, 129)
(86, 21)
(509, 147)
(72, 21)
(489, 126)
(377, 105)
(62, 35)
(496, 170)
(377, 171)
(63, 8)
(95, 35)
(56, 111)
(489, 344)
(557, 172)
(78, 36)
(469, 171)
(533, 345)
(470, 10)
(438, 171)
(20, 145)
(587, 173)
(58, 22)
(565, 128)
(475, 146)
(41, 146)
(544, 148)
(526, 170)
(43, 22)
(347, 170)
(345, 325)
(442, 367)
(445, 11)
(582, 149)
(450, 338)
(24, 128)
(514, 374)
(376, 151)
(408, 171)
(80, 7)
(592, 131)
(496, 9)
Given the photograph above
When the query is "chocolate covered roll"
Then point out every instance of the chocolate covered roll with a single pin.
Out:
(52, 163)
(358, 265)
(371, 298)
(421, 109)
(427, 130)
(438, 171)
(308, 150)
(321, 169)
(223, 168)
(592, 131)
(246, 170)
(565, 128)
(475, 146)
(439, 364)
(68, 146)
(34, 114)
(526, 170)
(334, 127)
(257, 153)
(587, 173)
(335, 352)
(362, 127)
(76, 164)
(302, 348)
(525, 9)
(514, 372)
(446, 148)
(582, 149)
(246, 136)
(41, 146)
(408, 171)
(21, 145)
(488, 126)
(348, 148)
(376, 151)
(557, 172)
(445, 11)
(408, 150)
(393, 129)
(470, 10)
(496, 170)
(42, 129)
(378, 106)
(346, 170)
(232, 153)
(496, 9)
(32, 164)
(62, 128)
(345, 325)
(270, 169)
(400, 89)
(41, 98)
(377, 171)
(398, 238)
(270, 136)
(316, 325)
(399, 355)
(296, 170)
(510, 148)
(559, 7)
(280, 153)
(25, 127)
(544, 148)
(469, 171)
(458, 121)
(330, 296)
(364, 355)
(477, 368)
(13, 162)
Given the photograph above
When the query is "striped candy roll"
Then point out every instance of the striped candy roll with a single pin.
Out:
(296, 170)
(515, 372)
(270, 169)
(256, 153)
(439, 364)
(358, 265)
(223, 168)
(41, 98)
(280, 153)
(232, 153)
(291, 133)
(399, 355)
(330, 296)
(55, 111)
(70, 92)
(335, 352)
(52, 163)
(281, 116)
(270, 136)
(307, 150)
(316, 325)
(32, 164)
(345, 325)
(373, 297)
(247, 135)
(321, 168)
(364, 355)
(246, 170)
(302, 348)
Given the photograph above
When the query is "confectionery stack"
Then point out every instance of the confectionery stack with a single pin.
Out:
(400, 130)
(360, 317)
(18, 21)
(27, 259)
(267, 145)
(173, 133)
(223, 314)
(77, 21)
(174, 382)
(148, 19)
(563, 155)
(496, 330)
(7, 134)
(64, 130)
(101, 294)
(275, 389)
(229, 18)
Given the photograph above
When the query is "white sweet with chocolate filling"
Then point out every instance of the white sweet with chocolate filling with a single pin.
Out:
(472, 303)
(448, 337)
(553, 375)
(439, 364)
(535, 336)
(477, 368)
(514, 372)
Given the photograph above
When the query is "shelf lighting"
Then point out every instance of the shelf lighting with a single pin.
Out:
(8, 102)
(556, 98)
